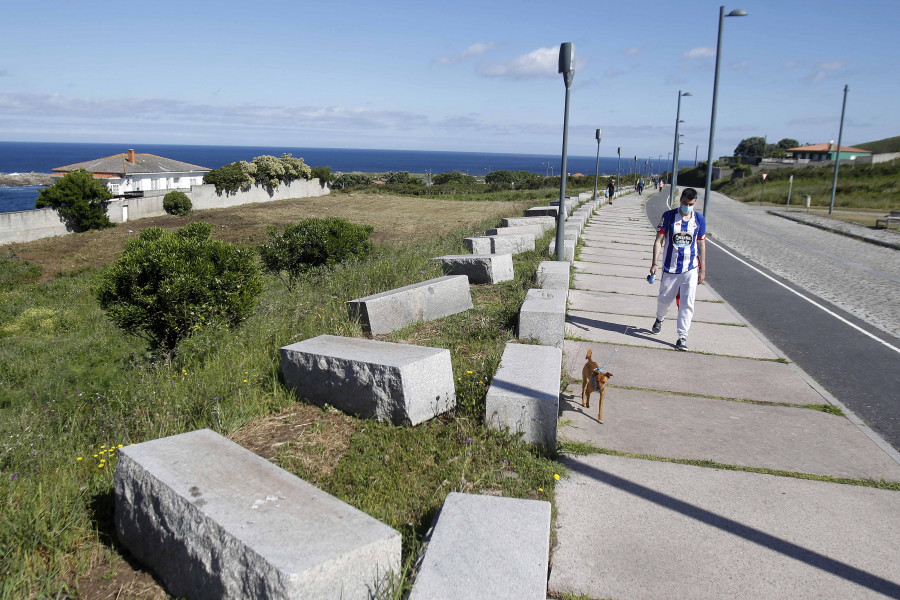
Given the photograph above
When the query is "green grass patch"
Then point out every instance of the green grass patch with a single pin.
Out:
(73, 386)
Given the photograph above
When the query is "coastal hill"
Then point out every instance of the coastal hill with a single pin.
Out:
(891, 144)
(17, 179)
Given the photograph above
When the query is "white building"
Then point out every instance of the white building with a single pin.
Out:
(129, 173)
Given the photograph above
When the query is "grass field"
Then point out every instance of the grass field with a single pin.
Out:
(73, 388)
(869, 187)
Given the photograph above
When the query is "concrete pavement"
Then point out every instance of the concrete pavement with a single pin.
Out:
(641, 528)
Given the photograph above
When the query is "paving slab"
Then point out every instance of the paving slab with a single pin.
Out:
(645, 306)
(710, 338)
(630, 285)
(606, 228)
(486, 547)
(599, 268)
(616, 252)
(629, 528)
(593, 256)
(786, 438)
(214, 520)
(723, 376)
(640, 246)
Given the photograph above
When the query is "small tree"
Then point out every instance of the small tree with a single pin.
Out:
(80, 199)
(313, 243)
(500, 177)
(399, 177)
(751, 146)
(323, 174)
(177, 203)
(294, 168)
(232, 177)
(167, 285)
(786, 143)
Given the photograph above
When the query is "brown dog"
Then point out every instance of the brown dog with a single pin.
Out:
(592, 378)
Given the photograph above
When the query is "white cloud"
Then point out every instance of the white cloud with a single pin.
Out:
(833, 66)
(816, 77)
(610, 72)
(472, 51)
(543, 62)
(790, 64)
(702, 52)
(740, 66)
(634, 50)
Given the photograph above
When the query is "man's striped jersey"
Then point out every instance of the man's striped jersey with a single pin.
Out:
(680, 251)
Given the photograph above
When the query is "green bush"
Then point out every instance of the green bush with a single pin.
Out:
(15, 272)
(399, 178)
(323, 174)
(167, 285)
(232, 177)
(177, 203)
(313, 243)
(348, 181)
(452, 177)
(80, 199)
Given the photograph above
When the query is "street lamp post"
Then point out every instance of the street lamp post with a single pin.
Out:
(618, 165)
(675, 151)
(837, 158)
(567, 68)
(597, 168)
(712, 121)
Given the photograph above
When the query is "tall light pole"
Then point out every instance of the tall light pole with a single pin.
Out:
(597, 168)
(567, 68)
(712, 121)
(675, 151)
(618, 165)
(837, 158)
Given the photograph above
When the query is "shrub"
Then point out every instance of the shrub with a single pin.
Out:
(399, 178)
(14, 271)
(80, 199)
(323, 174)
(177, 203)
(168, 284)
(232, 177)
(269, 170)
(346, 181)
(294, 168)
(452, 177)
(313, 243)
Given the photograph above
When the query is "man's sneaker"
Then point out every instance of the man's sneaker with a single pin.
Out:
(681, 344)
(657, 326)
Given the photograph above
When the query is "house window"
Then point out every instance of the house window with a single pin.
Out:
(154, 184)
(113, 188)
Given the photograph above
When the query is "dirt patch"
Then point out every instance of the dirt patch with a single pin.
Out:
(119, 580)
(396, 219)
(304, 439)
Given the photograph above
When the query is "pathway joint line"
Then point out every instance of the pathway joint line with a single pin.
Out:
(811, 301)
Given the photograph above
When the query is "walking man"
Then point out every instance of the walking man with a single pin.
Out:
(611, 190)
(681, 238)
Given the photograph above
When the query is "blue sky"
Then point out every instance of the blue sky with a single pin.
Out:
(466, 76)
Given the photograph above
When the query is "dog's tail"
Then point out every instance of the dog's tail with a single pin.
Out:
(588, 354)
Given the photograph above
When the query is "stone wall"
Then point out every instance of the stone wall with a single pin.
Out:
(28, 225)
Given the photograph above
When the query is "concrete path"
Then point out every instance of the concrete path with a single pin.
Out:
(643, 528)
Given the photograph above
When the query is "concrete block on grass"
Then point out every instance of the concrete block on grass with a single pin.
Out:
(545, 222)
(533, 230)
(524, 394)
(213, 520)
(514, 243)
(569, 249)
(543, 316)
(394, 383)
(425, 301)
(553, 275)
(486, 547)
(479, 268)
(542, 211)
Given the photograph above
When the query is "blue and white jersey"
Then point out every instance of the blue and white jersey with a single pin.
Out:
(680, 251)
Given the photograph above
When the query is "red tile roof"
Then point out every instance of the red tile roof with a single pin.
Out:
(827, 148)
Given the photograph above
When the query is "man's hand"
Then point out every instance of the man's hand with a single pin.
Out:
(701, 275)
(653, 270)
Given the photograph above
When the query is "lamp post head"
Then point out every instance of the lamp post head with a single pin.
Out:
(597, 135)
(619, 151)
(567, 62)
(737, 13)
(687, 94)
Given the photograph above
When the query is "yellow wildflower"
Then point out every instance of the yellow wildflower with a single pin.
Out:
(79, 458)
(556, 476)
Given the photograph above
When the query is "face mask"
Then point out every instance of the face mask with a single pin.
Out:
(686, 210)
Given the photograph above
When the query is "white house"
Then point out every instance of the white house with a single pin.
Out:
(128, 173)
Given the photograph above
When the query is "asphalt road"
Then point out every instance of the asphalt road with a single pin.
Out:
(856, 369)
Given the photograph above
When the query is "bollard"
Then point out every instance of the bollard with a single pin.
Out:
(808, 201)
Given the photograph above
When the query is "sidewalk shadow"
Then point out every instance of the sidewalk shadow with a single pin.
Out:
(584, 323)
(573, 405)
(751, 534)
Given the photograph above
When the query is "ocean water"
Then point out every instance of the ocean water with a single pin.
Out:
(25, 157)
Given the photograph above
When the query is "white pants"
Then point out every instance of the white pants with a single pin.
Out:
(669, 286)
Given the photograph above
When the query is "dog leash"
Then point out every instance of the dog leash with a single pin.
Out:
(600, 370)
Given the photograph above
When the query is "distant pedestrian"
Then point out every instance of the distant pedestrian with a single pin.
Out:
(681, 239)
(611, 190)
(640, 186)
